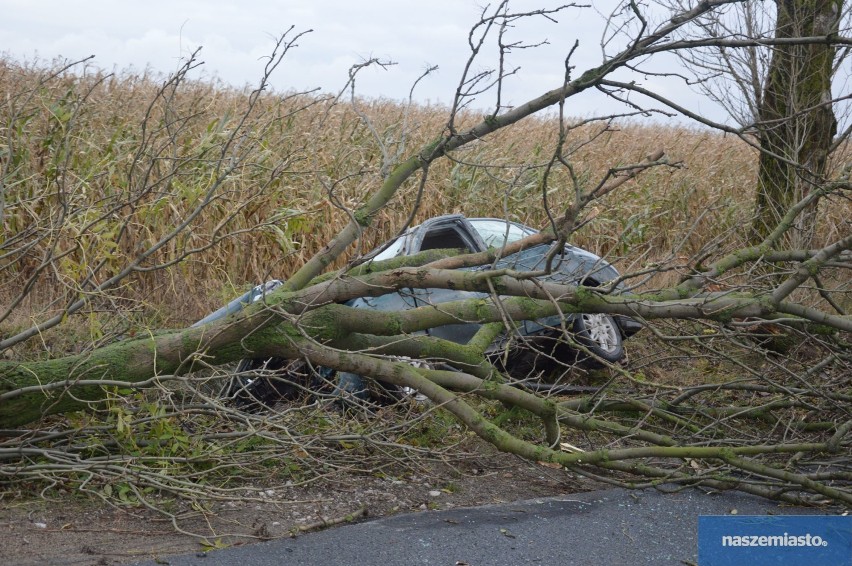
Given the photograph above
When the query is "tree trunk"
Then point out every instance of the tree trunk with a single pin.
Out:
(796, 122)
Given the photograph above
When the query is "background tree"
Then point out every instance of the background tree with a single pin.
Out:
(781, 93)
(796, 123)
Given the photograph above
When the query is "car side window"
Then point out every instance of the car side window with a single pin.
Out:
(497, 233)
(445, 237)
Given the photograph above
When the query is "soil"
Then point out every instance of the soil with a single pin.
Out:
(74, 531)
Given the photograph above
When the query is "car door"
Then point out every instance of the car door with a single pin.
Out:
(446, 232)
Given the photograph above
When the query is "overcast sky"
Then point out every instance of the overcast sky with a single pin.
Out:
(236, 35)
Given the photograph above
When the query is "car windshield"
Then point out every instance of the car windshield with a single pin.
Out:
(498, 233)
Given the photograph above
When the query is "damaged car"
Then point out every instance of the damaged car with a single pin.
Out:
(594, 338)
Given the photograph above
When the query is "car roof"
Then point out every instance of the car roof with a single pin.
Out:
(456, 216)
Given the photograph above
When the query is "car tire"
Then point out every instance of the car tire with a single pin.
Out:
(279, 381)
(600, 334)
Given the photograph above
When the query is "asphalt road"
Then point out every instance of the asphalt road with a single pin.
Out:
(611, 527)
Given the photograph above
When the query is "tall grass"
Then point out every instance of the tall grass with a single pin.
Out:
(96, 168)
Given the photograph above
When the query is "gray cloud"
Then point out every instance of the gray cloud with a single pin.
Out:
(236, 36)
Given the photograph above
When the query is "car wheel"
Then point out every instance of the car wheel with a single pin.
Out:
(600, 334)
(353, 387)
(260, 383)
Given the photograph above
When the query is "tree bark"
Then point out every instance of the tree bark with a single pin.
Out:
(796, 120)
